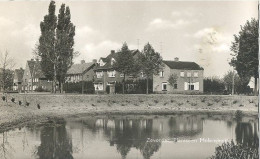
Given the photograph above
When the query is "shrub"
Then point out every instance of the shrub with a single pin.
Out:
(224, 103)
(234, 151)
(210, 104)
(203, 99)
(88, 87)
(235, 101)
(179, 104)
(156, 101)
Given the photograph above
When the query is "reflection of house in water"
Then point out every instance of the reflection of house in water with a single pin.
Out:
(133, 133)
(179, 126)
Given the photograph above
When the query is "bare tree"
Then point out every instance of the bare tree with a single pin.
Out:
(6, 64)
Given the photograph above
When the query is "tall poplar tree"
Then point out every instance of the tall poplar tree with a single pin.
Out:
(56, 44)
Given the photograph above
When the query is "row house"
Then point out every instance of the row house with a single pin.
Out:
(189, 77)
(81, 72)
(33, 77)
(106, 75)
(18, 79)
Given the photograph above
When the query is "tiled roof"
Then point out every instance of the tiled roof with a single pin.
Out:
(183, 65)
(18, 74)
(107, 60)
(79, 68)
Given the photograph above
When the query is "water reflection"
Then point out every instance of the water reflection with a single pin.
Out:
(123, 136)
(55, 142)
(246, 134)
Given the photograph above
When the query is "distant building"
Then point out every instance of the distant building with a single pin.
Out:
(33, 77)
(189, 77)
(18, 79)
(105, 74)
(81, 72)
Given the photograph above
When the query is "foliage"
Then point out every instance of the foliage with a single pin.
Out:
(238, 115)
(88, 87)
(240, 85)
(234, 151)
(124, 62)
(245, 47)
(40, 89)
(173, 79)
(213, 85)
(150, 62)
(56, 43)
(6, 74)
(6, 79)
(134, 87)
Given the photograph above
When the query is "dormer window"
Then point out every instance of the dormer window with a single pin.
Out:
(113, 61)
(101, 63)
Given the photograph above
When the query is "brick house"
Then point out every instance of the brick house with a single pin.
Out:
(81, 72)
(18, 79)
(105, 74)
(33, 77)
(189, 77)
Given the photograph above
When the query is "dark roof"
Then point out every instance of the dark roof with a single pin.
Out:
(79, 68)
(18, 74)
(107, 60)
(183, 65)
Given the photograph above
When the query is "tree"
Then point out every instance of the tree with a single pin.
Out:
(150, 62)
(6, 64)
(124, 63)
(56, 44)
(245, 47)
(173, 79)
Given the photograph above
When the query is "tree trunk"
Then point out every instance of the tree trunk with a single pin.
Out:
(61, 87)
(147, 89)
(124, 85)
(54, 78)
(255, 91)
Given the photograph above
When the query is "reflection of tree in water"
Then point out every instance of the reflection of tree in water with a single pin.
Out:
(6, 148)
(128, 133)
(246, 134)
(185, 126)
(55, 142)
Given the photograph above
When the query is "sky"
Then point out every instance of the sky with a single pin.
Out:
(199, 31)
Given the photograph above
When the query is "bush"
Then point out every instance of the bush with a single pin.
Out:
(40, 89)
(234, 151)
(88, 87)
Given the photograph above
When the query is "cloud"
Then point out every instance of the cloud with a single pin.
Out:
(4, 22)
(161, 24)
(92, 51)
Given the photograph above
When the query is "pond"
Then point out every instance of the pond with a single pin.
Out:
(137, 137)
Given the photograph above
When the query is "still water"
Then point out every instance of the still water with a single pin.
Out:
(137, 137)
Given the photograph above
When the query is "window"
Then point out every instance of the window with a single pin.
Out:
(175, 86)
(196, 74)
(191, 86)
(182, 74)
(111, 73)
(164, 86)
(188, 74)
(99, 74)
(142, 74)
(113, 61)
(98, 86)
(161, 74)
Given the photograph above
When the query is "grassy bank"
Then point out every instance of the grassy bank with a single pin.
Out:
(52, 106)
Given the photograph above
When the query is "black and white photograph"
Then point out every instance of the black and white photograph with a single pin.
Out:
(135, 79)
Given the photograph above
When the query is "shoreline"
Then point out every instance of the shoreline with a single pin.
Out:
(69, 106)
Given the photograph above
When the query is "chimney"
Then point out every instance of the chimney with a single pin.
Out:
(112, 51)
(176, 59)
(94, 60)
(82, 61)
